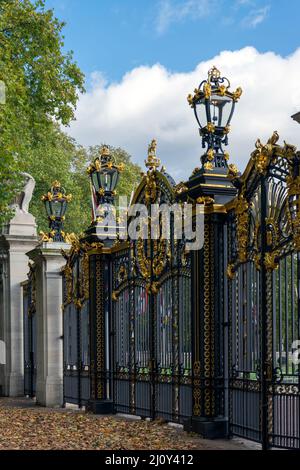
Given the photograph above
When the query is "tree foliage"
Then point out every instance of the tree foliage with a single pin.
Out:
(42, 85)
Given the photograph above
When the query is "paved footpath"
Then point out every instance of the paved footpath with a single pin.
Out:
(24, 425)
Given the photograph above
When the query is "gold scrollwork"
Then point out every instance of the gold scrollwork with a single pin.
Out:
(143, 261)
(271, 260)
(115, 295)
(233, 171)
(206, 200)
(242, 215)
(230, 271)
(181, 188)
(263, 154)
(293, 208)
(122, 274)
(155, 265)
(79, 250)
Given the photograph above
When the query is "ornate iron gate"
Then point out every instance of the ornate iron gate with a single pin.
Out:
(151, 355)
(139, 339)
(263, 298)
(76, 326)
(30, 336)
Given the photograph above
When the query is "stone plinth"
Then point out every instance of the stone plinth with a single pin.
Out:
(48, 261)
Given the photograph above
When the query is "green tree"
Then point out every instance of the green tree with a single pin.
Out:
(42, 85)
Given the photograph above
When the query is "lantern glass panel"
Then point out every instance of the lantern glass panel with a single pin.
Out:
(57, 208)
(220, 110)
(63, 207)
(105, 179)
(115, 178)
(95, 181)
(48, 208)
(201, 110)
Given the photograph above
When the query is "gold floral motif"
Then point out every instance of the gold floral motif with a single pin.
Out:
(73, 240)
(208, 166)
(190, 99)
(122, 274)
(206, 200)
(257, 259)
(232, 171)
(207, 90)
(210, 127)
(222, 90)
(47, 237)
(155, 265)
(210, 154)
(271, 260)
(230, 271)
(115, 295)
(144, 262)
(263, 154)
(289, 150)
(237, 94)
(180, 188)
(293, 208)
(242, 214)
(121, 167)
(85, 276)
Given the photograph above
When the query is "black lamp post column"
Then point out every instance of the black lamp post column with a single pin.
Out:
(210, 186)
(104, 176)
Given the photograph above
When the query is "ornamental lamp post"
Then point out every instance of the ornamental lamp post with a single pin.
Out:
(104, 174)
(213, 106)
(56, 201)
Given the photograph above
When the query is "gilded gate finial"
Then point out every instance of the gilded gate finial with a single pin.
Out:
(152, 161)
(263, 154)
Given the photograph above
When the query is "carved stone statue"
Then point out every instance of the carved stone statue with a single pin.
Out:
(22, 200)
(23, 223)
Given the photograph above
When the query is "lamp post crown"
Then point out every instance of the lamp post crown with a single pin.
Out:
(56, 184)
(213, 104)
(104, 151)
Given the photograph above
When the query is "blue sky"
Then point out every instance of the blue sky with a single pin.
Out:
(114, 36)
(142, 58)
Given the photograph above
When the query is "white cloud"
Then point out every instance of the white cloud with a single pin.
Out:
(151, 102)
(174, 12)
(255, 17)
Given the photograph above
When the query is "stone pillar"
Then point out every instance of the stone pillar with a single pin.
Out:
(49, 261)
(17, 237)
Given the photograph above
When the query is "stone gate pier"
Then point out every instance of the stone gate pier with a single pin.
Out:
(17, 238)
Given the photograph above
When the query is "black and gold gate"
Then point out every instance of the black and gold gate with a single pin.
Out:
(76, 324)
(263, 298)
(30, 333)
(156, 330)
(151, 349)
